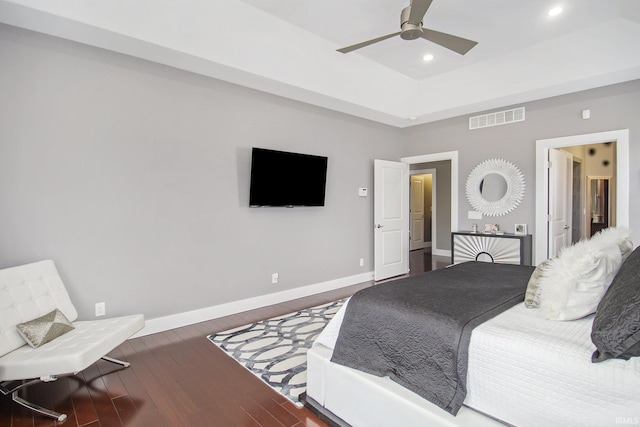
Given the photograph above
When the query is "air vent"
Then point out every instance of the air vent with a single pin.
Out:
(498, 118)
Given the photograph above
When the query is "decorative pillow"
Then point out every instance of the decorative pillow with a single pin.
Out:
(40, 331)
(532, 296)
(572, 284)
(615, 236)
(616, 326)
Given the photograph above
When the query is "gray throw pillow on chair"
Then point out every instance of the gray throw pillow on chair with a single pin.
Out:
(45, 328)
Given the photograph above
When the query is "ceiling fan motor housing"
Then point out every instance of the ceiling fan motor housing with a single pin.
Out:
(409, 31)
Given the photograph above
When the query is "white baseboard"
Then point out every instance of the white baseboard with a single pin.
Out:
(160, 324)
(423, 246)
(441, 252)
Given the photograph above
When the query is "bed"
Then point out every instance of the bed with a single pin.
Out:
(523, 370)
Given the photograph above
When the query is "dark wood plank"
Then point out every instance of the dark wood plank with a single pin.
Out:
(125, 408)
(102, 401)
(82, 403)
(6, 409)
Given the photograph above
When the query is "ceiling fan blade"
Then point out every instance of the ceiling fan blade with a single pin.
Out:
(418, 9)
(367, 43)
(451, 42)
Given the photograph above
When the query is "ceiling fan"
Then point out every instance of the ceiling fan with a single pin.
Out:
(411, 29)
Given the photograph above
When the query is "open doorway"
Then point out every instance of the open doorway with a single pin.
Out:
(445, 210)
(582, 181)
(391, 210)
(593, 188)
(618, 144)
(422, 209)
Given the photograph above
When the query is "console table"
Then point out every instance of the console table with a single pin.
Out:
(507, 248)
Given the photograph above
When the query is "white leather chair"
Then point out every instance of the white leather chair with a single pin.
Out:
(33, 290)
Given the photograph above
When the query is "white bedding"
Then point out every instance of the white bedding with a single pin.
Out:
(528, 371)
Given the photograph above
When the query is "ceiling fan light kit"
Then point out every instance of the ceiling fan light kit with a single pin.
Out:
(411, 29)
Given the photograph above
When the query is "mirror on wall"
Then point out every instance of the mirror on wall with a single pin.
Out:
(599, 207)
(495, 187)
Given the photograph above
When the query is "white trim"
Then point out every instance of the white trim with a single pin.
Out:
(434, 203)
(621, 137)
(160, 324)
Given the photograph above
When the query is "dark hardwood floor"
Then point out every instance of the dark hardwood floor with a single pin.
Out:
(421, 260)
(177, 378)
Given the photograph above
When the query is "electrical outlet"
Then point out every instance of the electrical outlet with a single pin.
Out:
(274, 278)
(100, 309)
(361, 262)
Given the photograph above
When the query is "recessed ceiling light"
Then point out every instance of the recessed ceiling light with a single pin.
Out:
(555, 11)
(428, 57)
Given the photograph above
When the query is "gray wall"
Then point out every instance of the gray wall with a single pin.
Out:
(612, 107)
(134, 178)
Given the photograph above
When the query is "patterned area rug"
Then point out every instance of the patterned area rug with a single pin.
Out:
(275, 349)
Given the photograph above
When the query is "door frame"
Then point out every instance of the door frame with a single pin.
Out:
(412, 201)
(583, 197)
(451, 156)
(621, 137)
(431, 172)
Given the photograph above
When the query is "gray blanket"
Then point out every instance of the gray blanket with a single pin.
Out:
(417, 330)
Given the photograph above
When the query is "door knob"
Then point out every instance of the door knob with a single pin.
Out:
(566, 227)
(379, 226)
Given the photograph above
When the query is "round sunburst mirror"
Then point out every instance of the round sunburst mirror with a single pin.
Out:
(495, 187)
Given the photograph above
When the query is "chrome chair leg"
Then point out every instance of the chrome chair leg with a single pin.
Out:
(116, 361)
(31, 406)
(37, 408)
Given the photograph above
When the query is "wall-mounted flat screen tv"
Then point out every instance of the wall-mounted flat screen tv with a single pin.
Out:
(280, 178)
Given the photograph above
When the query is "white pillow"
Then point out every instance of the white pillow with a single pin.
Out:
(573, 283)
(615, 236)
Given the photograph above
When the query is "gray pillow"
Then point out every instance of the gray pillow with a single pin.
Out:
(532, 296)
(40, 331)
(616, 326)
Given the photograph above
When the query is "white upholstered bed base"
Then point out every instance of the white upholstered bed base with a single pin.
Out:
(523, 370)
(364, 400)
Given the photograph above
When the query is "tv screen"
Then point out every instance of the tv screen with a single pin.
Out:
(279, 178)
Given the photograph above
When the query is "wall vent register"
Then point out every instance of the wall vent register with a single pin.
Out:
(497, 118)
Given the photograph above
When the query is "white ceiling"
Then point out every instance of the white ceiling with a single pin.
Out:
(288, 47)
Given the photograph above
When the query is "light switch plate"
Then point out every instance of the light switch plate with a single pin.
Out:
(362, 192)
(474, 215)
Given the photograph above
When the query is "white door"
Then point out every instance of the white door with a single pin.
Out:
(560, 200)
(391, 219)
(417, 212)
